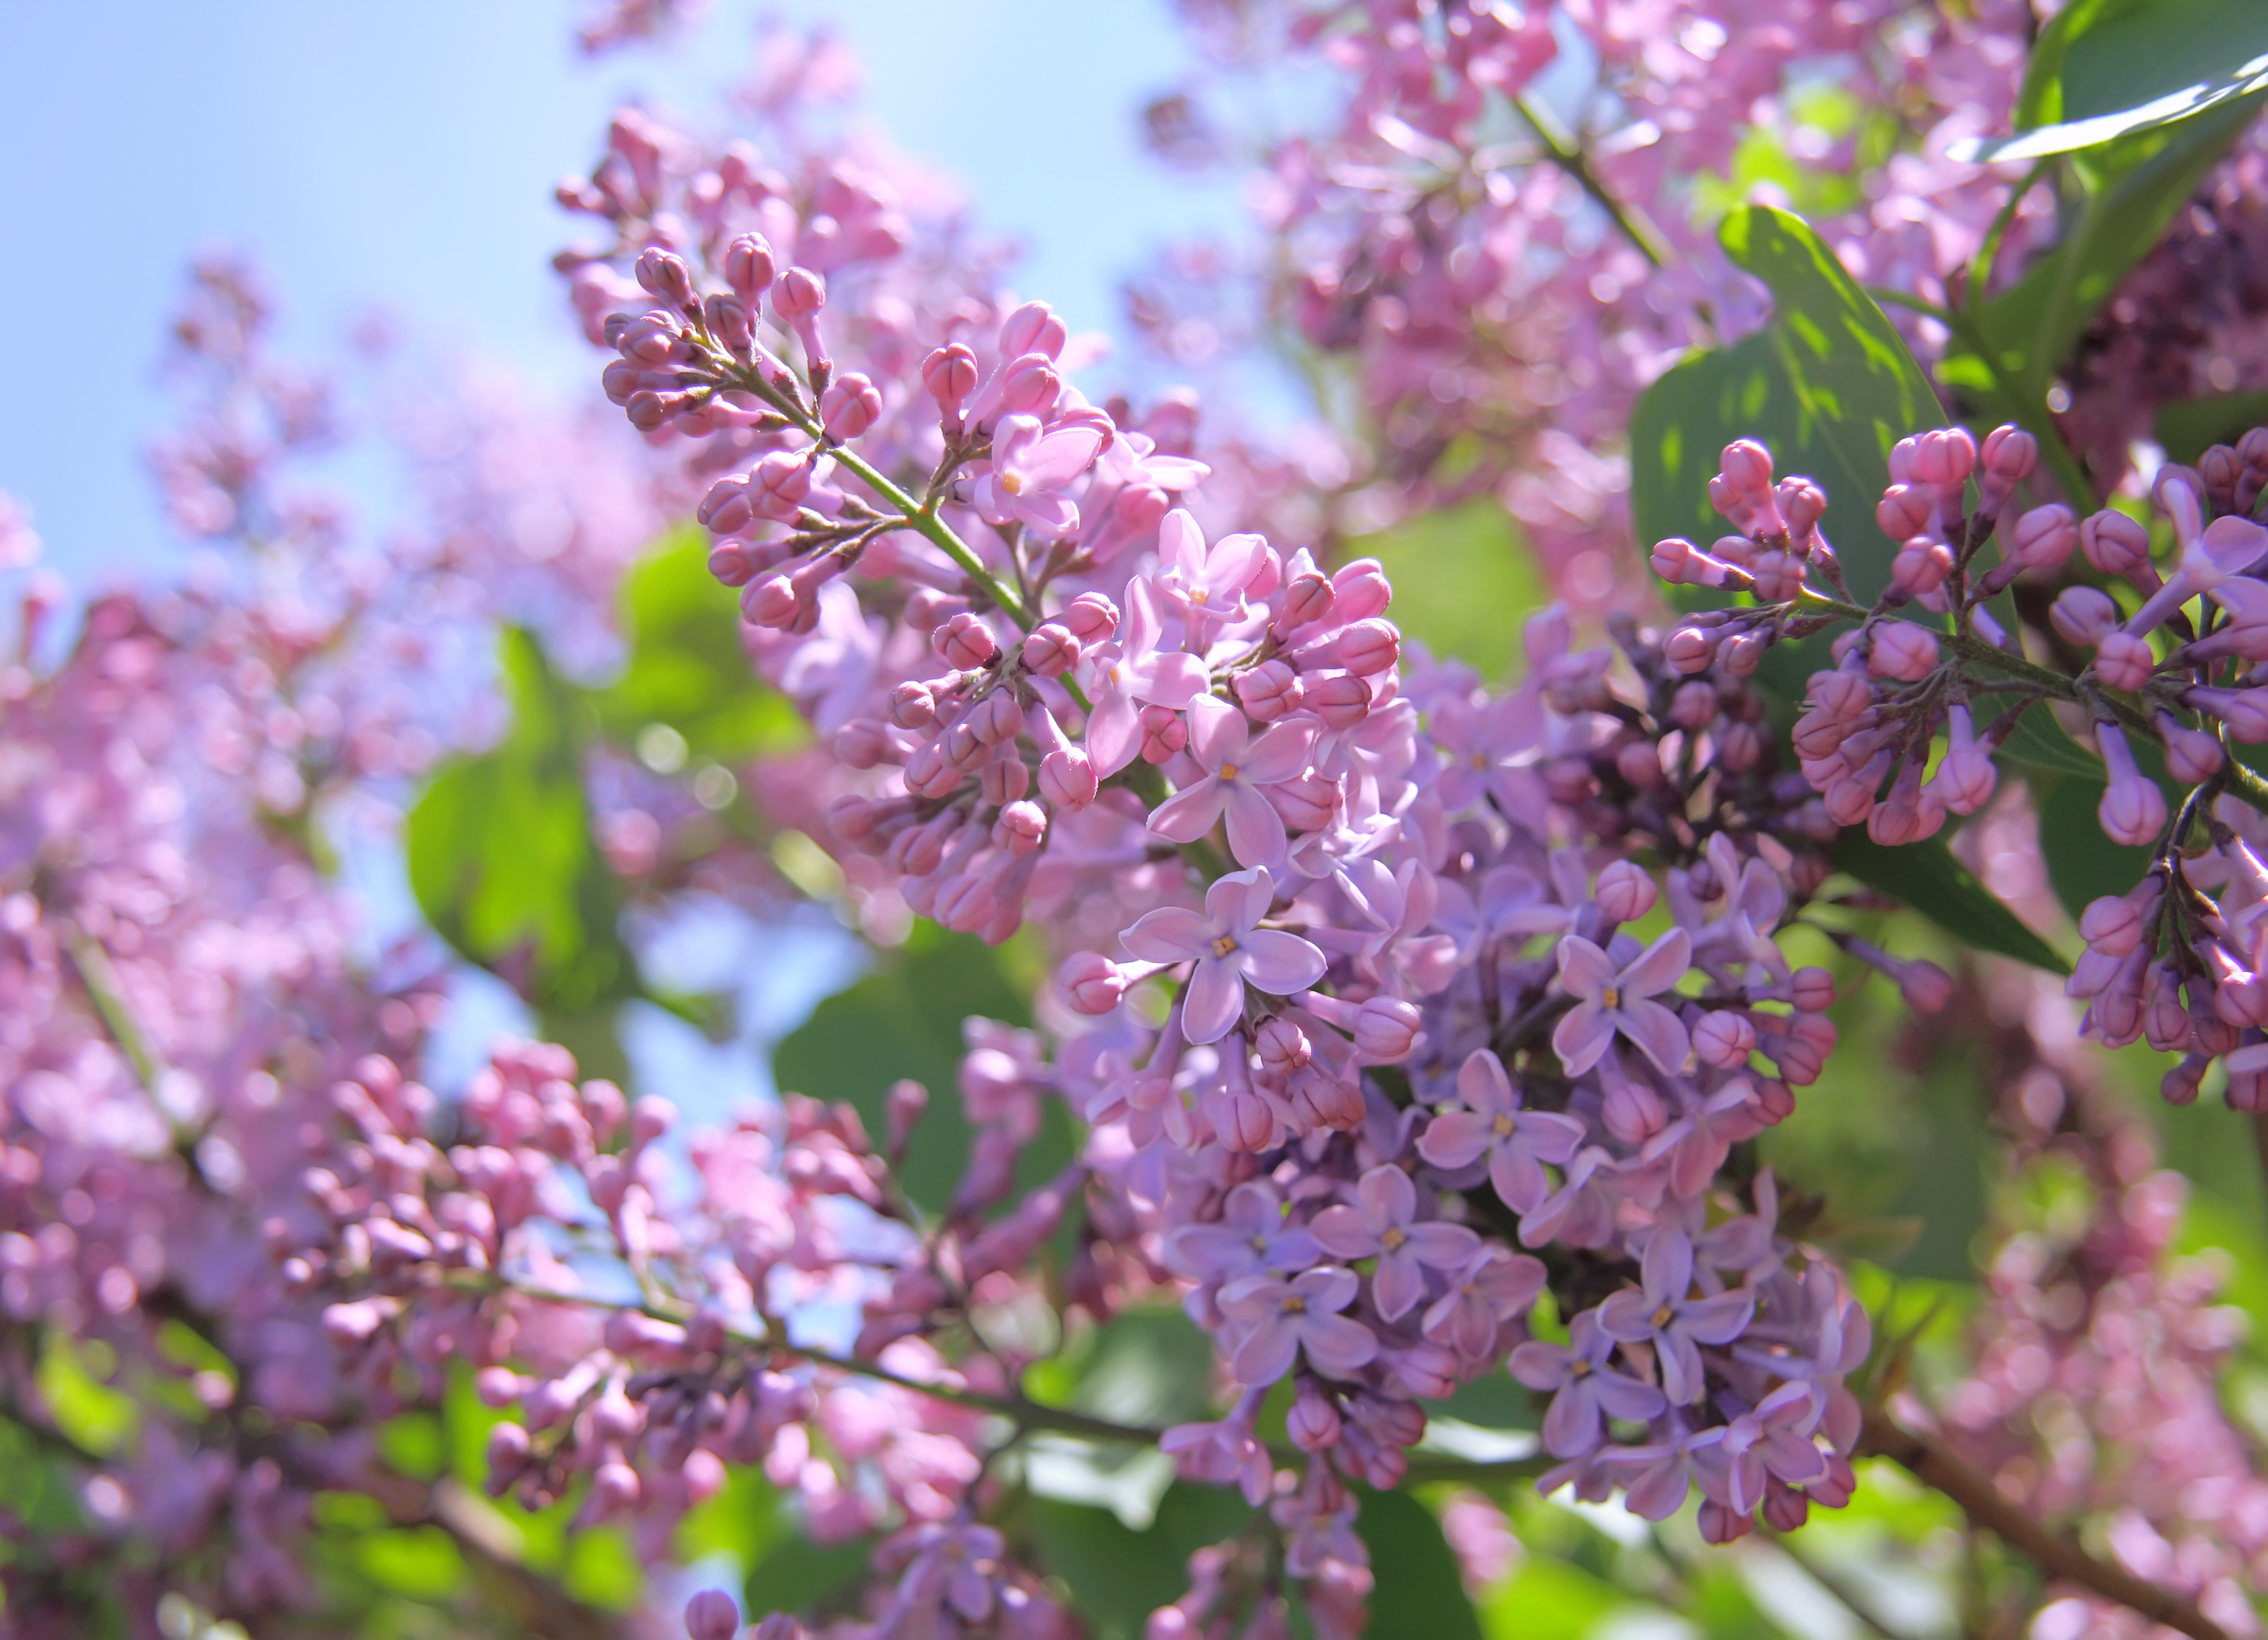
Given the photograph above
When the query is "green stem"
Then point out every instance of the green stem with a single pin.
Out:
(93, 963)
(1568, 155)
(938, 531)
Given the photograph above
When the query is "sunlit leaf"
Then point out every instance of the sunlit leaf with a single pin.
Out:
(1463, 580)
(1928, 878)
(423, 1563)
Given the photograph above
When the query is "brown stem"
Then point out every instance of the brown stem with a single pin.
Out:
(1933, 1465)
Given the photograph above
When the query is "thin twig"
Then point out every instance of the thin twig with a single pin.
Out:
(1568, 154)
(1934, 1466)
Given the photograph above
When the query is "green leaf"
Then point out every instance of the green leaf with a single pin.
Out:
(2186, 430)
(686, 668)
(501, 855)
(1462, 578)
(91, 1414)
(1829, 384)
(797, 1574)
(1117, 1577)
(2101, 72)
(1419, 1589)
(1928, 878)
(903, 1019)
(1549, 1599)
(420, 1561)
(742, 1519)
(2038, 741)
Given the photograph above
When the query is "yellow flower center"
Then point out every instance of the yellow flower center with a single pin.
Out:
(1010, 482)
(1295, 1305)
(1660, 1317)
(1392, 1237)
(1223, 945)
(1503, 1125)
(1611, 997)
(1227, 771)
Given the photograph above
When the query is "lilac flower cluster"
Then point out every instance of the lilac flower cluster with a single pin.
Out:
(2174, 650)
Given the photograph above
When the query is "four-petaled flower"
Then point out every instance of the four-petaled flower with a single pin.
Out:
(1489, 1292)
(1660, 1312)
(1589, 1391)
(1251, 1238)
(1517, 1141)
(1381, 1224)
(1237, 769)
(1774, 1440)
(1608, 1002)
(1206, 583)
(1282, 1318)
(1123, 677)
(1229, 949)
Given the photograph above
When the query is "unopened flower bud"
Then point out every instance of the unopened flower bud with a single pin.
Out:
(850, 405)
(1050, 651)
(1307, 599)
(1725, 1040)
(1925, 986)
(2193, 756)
(1269, 691)
(664, 274)
(1163, 733)
(1090, 618)
(800, 297)
(1067, 778)
(748, 266)
(1902, 650)
(1386, 1030)
(1812, 990)
(2125, 661)
(2043, 538)
(1340, 699)
(1625, 893)
(1283, 1046)
(1368, 648)
(2082, 614)
(949, 374)
(1091, 982)
(727, 318)
(2114, 544)
(1689, 649)
(912, 705)
(1905, 510)
(966, 642)
(1021, 829)
(1313, 1422)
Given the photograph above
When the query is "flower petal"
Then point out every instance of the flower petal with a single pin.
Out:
(1667, 1273)
(1387, 1196)
(1659, 1033)
(1181, 543)
(1344, 1233)
(1482, 1084)
(1168, 934)
(1190, 812)
(1215, 997)
(1627, 1398)
(1683, 1380)
(1280, 754)
(1336, 1345)
(1553, 1136)
(1660, 966)
(1279, 963)
(1326, 1289)
(1626, 1315)
(1584, 969)
(1443, 1246)
(1218, 733)
(1113, 734)
(1396, 1284)
(1240, 899)
(1267, 1352)
(1255, 830)
(1717, 1320)
(1455, 1140)
(1572, 1426)
(1582, 1037)
(1519, 1178)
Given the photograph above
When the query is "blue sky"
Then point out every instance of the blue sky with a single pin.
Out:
(402, 155)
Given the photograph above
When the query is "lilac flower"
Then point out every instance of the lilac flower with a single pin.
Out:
(1284, 1317)
(1238, 771)
(954, 1566)
(1660, 1312)
(1222, 1452)
(1229, 950)
(1205, 584)
(1581, 1211)
(1251, 1238)
(1773, 1440)
(1657, 1476)
(1588, 1390)
(1608, 1002)
(1491, 1288)
(1123, 677)
(1517, 1141)
(1382, 1224)
(1030, 465)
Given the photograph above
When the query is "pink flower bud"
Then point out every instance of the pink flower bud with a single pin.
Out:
(509, 1449)
(1091, 982)
(2082, 614)
(2243, 711)
(1090, 618)
(2112, 925)
(1360, 590)
(1368, 648)
(1747, 468)
(664, 274)
(1021, 829)
(2125, 661)
(1004, 780)
(727, 318)
(1282, 1046)
(2132, 811)
(949, 374)
(1307, 597)
(862, 743)
(1625, 893)
(1313, 1422)
(1724, 1039)
(1321, 1101)
(749, 267)
(1035, 328)
(1639, 762)
(1689, 649)
(850, 405)
(1067, 778)
(1945, 457)
(1050, 651)
(1902, 650)
(780, 1625)
(615, 1490)
(1386, 1030)
(2043, 538)
(1693, 705)
(1925, 986)
(801, 297)
(774, 603)
(2114, 544)
(2192, 755)
(1779, 576)
(1905, 511)
(1339, 698)
(1802, 503)
(996, 719)
(2010, 455)
(1163, 733)
(1964, 781)
(1269, 691)
(966, 642)
(1812, 990)
(912, 705)
(1306, 801)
